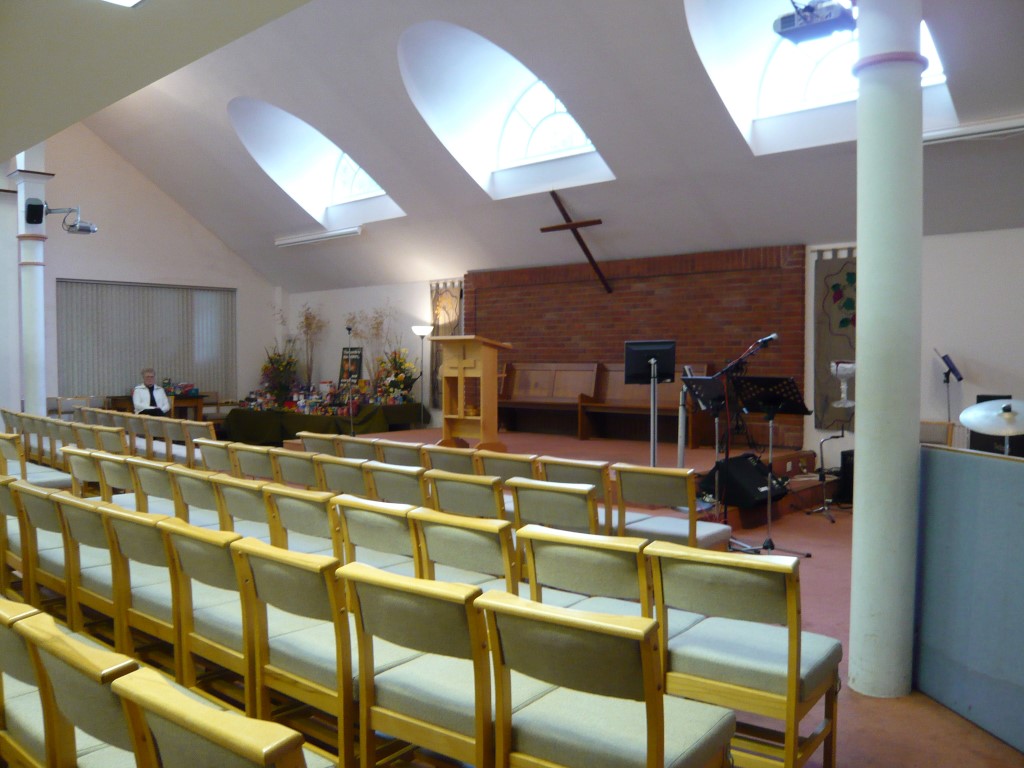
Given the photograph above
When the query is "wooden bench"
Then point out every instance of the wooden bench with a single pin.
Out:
(614, 397)
(541, 397)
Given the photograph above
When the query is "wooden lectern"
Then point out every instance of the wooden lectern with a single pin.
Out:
(469, 360)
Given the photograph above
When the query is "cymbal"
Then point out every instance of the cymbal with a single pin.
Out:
(1003, 418)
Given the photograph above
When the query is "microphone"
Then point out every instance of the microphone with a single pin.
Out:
(768, 339)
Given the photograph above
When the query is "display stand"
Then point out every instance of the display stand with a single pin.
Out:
(771, 395)
(472, 414)
(654, 362)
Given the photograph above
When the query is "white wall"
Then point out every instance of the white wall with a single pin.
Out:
(10, 315)
(144, 236)
(970, 311)
(411, 304)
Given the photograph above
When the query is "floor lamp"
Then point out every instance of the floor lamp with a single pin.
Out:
(422, 331)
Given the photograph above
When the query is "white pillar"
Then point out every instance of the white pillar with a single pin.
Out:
(31, 263)
(889, 235)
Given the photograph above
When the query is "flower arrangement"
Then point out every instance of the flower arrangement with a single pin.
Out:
(279, 374)
(395, 375)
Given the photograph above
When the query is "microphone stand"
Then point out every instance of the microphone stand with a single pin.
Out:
(726, 374)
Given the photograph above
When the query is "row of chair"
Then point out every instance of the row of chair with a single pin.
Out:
(752, 591)
(626, 494)
(67, 701)
(153, 437)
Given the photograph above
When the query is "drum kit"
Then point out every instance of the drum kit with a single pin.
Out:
(999, 418)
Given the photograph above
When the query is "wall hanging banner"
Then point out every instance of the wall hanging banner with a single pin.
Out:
(835, 331)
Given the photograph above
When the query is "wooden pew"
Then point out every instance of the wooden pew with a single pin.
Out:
(549, 392)
(613, 396)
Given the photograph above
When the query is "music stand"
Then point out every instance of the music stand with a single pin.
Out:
(651, 362)
(709, 394)
(771, 395)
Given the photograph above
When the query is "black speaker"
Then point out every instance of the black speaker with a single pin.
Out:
(35, 210)
(994, 443)
(844, 494)
(743, 481)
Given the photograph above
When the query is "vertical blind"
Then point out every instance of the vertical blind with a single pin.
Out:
(108, 332)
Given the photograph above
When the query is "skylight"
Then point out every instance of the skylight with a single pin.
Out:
(816, 73)
(497, 118)
(785, 96)
(318, 175)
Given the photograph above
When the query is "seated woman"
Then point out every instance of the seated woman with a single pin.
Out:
(148, 398)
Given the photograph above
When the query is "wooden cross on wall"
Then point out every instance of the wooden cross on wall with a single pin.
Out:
(574, 227)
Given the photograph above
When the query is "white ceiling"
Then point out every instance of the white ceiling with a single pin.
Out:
(627, 71)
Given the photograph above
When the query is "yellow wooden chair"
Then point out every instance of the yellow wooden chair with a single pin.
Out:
(450, 458)
(607, 708)
(317, 442)
(22, 736)
(398, 452)
(441, 699)
(469, 495)
(171, 729)
(396, 483)
(750, 653)
(672, 493)
(596, 473)
(352, 447)
(339, 475)
(216, 455)
(294, 467)
(568, 506)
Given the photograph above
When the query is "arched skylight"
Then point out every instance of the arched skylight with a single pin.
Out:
(816, 73)
(538, 127)
(497, 118)
(784, 96)
(317, 174)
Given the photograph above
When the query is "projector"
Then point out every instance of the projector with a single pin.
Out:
(814, 21)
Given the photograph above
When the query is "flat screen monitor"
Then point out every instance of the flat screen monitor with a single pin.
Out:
(638, 361)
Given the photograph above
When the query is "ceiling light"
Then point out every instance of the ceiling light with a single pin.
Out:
(125, 3)
(316, 237)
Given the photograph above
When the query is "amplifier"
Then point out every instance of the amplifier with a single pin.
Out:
(743, 481)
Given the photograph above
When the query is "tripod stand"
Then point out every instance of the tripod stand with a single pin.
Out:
(771, 395)
(826, 503)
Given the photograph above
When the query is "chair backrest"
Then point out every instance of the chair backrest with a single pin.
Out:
(110, 439)
(216, 455)
(372, 530)
(434, 618)
(86, 479)
(397, 452)
(74, 677)
(596, 473)
(242, 506)
(613, 656)
(568, 506)
(505, 465)
(666, 487)
(469, 495)
(352, 447)
(294, 467)
(42, 542)
(87, 564)
(450, 458)
(302, 520)
(143, 598)
(116, 481)
(253, 461)
(140, 442)
(300, 598)
(10, 541)
(22, 737)
(196, 430)
(175, 730)
(12, 455)
(396, 483)
(205, 635)
(475, 544)
(153, 489)
(318, 442)
(610, 571)
(156, 438)
(194, 497)
(340, 475)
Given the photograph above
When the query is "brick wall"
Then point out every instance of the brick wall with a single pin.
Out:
(713, 304)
